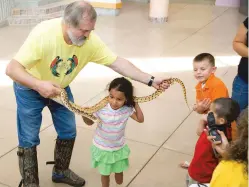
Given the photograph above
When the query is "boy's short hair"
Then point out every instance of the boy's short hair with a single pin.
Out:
(227, 108)
(205, 56)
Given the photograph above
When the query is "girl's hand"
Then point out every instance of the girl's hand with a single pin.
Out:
(138, 114)
(87, 121)
(219, 146)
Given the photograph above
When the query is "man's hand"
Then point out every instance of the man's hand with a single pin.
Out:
(157, 84)
(203, 105)
(18, 73)
(47, 89)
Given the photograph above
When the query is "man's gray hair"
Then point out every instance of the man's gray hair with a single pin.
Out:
(75, 12)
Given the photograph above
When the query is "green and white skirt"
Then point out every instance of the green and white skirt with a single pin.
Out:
(109, 162)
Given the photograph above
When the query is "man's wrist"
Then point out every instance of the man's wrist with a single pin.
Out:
(151, 81)
(35, 86)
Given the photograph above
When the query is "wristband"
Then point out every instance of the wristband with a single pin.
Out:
(151, 81)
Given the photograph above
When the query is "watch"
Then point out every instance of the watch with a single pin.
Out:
(151, 81)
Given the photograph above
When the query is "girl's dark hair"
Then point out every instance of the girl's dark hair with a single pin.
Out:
(238, 149)
(123, 85)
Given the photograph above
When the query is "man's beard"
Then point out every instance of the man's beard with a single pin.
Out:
(76, 41)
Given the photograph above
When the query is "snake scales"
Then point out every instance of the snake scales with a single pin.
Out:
(88, 111)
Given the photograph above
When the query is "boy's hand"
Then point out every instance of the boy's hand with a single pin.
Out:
(138, 114)
(203, 105)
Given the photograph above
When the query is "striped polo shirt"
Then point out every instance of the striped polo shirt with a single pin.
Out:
(109, 134)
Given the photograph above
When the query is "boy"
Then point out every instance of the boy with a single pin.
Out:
(204, 161)
(209, 87)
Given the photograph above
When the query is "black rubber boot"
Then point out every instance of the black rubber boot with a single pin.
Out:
(28, 167)
(61, 172)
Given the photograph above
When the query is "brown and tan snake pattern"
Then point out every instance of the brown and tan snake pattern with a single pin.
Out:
(88, 111)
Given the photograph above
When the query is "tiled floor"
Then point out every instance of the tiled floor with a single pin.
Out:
(168, 133)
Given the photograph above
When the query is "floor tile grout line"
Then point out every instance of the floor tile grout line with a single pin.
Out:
(142, 142)
(89, 129)
(8, 152)
(1, 156)
(145, 143)
(158, 149)
(176, 151)
(82, 127)
(5, 184)
(96, 95)
(185, 5)
(195, 32)
(226, 71)
(45, 128)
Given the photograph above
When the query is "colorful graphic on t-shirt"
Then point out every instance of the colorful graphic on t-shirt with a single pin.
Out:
(59, 67)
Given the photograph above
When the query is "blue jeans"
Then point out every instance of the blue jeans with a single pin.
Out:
(29, 116)
(240, 92)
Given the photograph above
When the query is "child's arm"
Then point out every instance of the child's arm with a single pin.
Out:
(138, 114)
(201, 125)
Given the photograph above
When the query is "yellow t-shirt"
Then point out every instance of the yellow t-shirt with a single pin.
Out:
(46, 55)
(229, 174)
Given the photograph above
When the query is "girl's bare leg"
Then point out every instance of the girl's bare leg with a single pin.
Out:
(105, 180)
(119, 178)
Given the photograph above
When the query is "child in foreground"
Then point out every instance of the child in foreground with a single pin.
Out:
(109, 151)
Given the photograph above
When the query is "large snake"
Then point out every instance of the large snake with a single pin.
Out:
(88, 111)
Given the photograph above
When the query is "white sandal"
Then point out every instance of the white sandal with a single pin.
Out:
(185, 165)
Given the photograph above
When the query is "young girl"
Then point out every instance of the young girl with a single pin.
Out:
(109, 150)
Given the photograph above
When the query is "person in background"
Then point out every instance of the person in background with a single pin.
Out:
(240, 83)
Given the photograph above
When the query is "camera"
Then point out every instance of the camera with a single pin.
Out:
(213, 127)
